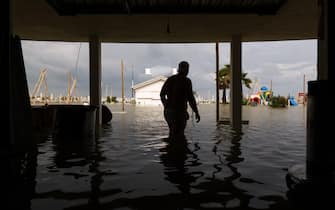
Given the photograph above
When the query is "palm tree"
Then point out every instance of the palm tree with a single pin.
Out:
(224, 81)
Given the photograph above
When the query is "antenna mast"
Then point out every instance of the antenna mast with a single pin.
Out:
(122, 79)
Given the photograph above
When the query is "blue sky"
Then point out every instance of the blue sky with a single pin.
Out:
(283, 62)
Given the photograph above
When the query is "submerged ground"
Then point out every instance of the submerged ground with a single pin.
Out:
(132, 166)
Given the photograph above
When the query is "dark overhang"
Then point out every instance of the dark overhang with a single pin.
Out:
(80, 7)
(167, 21)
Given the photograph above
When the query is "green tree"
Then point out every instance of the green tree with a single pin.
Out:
(108, 99)
(224, 81)
(114, 99)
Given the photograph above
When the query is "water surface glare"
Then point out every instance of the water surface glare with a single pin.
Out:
(131, 166)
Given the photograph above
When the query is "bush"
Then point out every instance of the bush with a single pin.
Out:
(114, 99)
(245, 101)
(278, 101)
(108, 99)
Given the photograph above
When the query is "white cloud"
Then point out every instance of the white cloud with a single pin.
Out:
(288, 66)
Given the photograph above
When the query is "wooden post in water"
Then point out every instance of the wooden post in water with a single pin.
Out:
(217, 81)
(69, 78)
(122, 79)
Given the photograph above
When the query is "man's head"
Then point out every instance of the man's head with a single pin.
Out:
(183, 68)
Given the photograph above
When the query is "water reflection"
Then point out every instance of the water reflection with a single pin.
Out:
(177, 158)
(85, 153)
(133, 167)
(73, 152)
(221, 189)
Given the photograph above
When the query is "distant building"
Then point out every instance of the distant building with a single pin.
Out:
(147, 93)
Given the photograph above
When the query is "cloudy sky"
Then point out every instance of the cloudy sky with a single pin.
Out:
(283, 62)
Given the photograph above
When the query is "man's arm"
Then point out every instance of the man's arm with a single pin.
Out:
(163, 94)
(191, 101)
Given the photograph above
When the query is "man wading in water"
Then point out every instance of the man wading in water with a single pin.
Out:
(175, 93)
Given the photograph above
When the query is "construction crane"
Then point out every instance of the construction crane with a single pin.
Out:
(72, 82)
(41, 80)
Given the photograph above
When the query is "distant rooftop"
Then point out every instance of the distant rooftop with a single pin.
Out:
(149, 82)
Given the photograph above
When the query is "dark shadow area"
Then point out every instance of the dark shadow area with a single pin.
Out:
(311, 195)
(19, 174)
(18, 179)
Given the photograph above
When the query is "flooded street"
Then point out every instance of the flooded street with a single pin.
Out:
(131, 166)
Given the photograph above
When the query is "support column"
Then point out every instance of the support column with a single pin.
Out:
(5, 52)
(217, 82)
(95, 78)
(317, 174)
(235, 82)
(320, 145)
(322, 70)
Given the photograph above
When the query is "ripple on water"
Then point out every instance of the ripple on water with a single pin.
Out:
(132, 166)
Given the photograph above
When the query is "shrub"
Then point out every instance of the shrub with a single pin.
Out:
(278, 101)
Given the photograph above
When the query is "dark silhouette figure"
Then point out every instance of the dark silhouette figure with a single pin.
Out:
(175, 93)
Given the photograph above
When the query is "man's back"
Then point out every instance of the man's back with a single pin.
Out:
(177, 88)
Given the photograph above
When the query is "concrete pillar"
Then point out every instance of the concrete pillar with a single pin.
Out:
(323, 72)
(95, 78)
(5, 52)
(320, 144)
(317, 175)
(235, 82)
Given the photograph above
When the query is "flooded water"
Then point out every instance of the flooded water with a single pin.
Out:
(131, 166)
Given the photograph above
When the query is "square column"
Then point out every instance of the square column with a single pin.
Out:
(317, 175)
(5, 58)
(235, 82)
(320, 164)
(323, 72)
(95, 78)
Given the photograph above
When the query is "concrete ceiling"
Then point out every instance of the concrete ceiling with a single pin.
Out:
(294, 19)
(76, 7)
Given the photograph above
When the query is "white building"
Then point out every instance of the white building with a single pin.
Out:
(147, 93)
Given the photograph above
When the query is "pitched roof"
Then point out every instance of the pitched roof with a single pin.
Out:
(149, 82)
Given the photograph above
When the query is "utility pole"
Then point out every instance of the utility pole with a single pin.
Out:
(122, 79)
(106, 93)
(217, 81)
(111, 91)
(69, 79)
(132, 81)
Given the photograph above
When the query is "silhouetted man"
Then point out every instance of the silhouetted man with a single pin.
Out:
(175, 93)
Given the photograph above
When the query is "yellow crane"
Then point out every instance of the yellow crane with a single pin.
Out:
(41, 80)
(72, 82)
